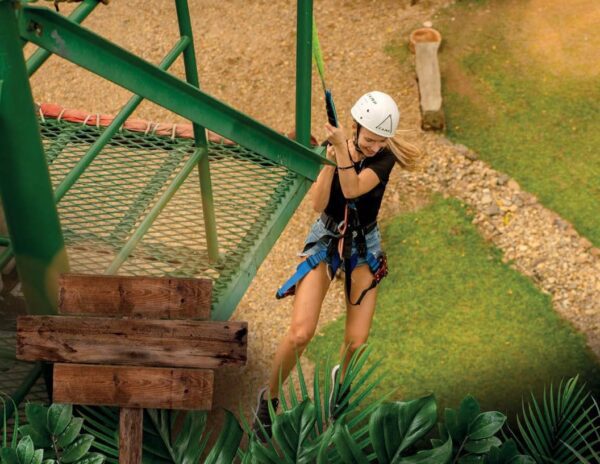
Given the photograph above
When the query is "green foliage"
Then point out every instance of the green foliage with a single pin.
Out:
(563, 427)
(472, 432)
(395, 427)
(160, 444)
(57, 433)
(382, 432)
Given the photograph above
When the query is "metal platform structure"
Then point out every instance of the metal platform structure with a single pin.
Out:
(106, 200)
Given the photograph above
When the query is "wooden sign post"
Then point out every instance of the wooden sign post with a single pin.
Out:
(424, 43)
(130, 342)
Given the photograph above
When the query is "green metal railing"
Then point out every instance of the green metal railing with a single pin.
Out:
(39, 57)
(191, 74)
(112, 129)
(127, 202)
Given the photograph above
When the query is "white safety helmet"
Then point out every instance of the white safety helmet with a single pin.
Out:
(377, 112)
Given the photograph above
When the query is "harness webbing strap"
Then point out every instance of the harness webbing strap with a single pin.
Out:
(379, 269)
(289, 288)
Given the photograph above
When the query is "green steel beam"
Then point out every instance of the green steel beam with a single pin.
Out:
(155, 211)
(303, 70)
(25, 188)
(114, 126)
(39, 57)
(223, 308)
(191, 74)
(81, 46)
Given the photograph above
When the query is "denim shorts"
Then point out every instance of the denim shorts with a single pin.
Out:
(318, 231)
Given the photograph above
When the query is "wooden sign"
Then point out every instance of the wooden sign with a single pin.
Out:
(139, 342)
(148, 297)
(113, 347)
(133, 387)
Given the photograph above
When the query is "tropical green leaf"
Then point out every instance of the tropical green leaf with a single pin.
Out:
(451, 422)
(393, 427)
(69, 435)
(76, 450)
(467, 412)
(439, 455)
(228, 442)
(507, 454)
(558, 431)
(25, 450)
(262, 454)
(37, 417)
(92, 458)
(325, 445)
(59, 416)
(522, 460)
(39, 440)
(345, 445)
(48, 461)
(187, 447)
(292, 429)
(482, 446)
(38, 456)
(471, 459)
(486, 425)
(160, 446)
(9, 456)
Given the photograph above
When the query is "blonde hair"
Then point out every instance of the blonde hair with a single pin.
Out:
(406, 153)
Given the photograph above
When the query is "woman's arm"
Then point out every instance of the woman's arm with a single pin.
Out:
(322, 187)
(353, 185)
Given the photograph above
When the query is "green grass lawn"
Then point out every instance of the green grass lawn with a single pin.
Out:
(453, 319)
(527, 116)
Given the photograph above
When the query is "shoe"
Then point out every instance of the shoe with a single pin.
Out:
(336, 406)
(262, 416)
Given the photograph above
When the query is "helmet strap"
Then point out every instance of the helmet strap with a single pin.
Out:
(358, 126)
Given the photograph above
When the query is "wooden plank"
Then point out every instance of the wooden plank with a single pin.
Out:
(430, 85)
(99, 340)
(147, 297)
(131, 421)
(133, 386)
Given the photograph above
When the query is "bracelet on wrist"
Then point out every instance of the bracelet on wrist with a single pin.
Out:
(345, 167)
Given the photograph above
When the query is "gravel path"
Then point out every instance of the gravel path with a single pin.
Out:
(246, 58)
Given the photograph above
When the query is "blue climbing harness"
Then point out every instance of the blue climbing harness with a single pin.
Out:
(339, 249)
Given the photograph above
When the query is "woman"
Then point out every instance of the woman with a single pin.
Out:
(345, 236)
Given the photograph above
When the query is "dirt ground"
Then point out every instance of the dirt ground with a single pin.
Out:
(246, 58)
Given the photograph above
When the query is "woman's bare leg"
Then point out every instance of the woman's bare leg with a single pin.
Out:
(358, 318)
(310, 292)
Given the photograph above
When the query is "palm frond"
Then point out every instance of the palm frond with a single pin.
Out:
(560, 429)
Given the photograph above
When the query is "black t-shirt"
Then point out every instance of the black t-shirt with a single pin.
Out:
(369, 203)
